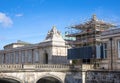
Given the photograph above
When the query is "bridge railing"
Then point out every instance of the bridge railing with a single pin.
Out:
(11, 66)
(39, 67)
(52, 67)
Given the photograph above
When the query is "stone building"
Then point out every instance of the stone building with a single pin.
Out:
(111, 42)
(96, 43)
(51, 51)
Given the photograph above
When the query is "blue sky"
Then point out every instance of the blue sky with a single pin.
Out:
(30, 20)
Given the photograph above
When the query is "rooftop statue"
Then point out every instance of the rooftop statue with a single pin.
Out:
(54, 34)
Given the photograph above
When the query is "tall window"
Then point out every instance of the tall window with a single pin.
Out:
(7, 58)
(29, 54)
(16, 57)
(119, 49)
(12, 57)
(104, 50)
(2, 58)
(45, 58)
(36, 55)
(23, 56)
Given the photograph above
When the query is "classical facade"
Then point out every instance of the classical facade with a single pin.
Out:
(111, 49)
(51, 51)
(44, 62)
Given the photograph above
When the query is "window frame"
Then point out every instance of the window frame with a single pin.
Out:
(105, 50)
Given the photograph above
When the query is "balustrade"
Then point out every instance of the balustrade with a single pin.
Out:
(10, 67)
(43, 67)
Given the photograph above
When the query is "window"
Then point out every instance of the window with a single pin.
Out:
(104, 50)
(3, 59)
(29, 54)
(16, 57)
(119, 49)
(86, 61)
(36, 55)
(12, 57)
(7, 58)
(23, 56)
(45, 58)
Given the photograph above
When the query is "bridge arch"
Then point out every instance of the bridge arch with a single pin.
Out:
(49, 79)
(9, 79)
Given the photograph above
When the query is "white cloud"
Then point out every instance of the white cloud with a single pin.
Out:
(19, 15)
(5, 21)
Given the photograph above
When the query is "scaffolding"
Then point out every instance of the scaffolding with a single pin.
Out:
(87, 34)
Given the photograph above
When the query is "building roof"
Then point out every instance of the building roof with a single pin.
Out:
(19, 43)
(53, 38)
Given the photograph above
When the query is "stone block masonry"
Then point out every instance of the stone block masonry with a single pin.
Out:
(103, 77)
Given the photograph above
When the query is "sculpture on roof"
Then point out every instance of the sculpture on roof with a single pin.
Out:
(53, 34)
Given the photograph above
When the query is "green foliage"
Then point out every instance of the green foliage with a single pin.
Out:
(75, 62)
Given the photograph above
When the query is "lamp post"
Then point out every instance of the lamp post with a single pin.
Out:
(111, 53)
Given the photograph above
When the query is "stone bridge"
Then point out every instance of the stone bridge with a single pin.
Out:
(40, 73)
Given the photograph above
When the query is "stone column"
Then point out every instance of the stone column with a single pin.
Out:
(26, 58)
(83, 76)
(20, 57)
(32, 56)
(4, 58)
(14, 62)
(41, 54)
(50, 54)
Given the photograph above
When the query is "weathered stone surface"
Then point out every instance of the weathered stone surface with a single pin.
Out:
(33, 77)
(103, 77)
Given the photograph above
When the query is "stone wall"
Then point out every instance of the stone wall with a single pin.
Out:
(33, 77)
(103, 77)
(73, 77)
